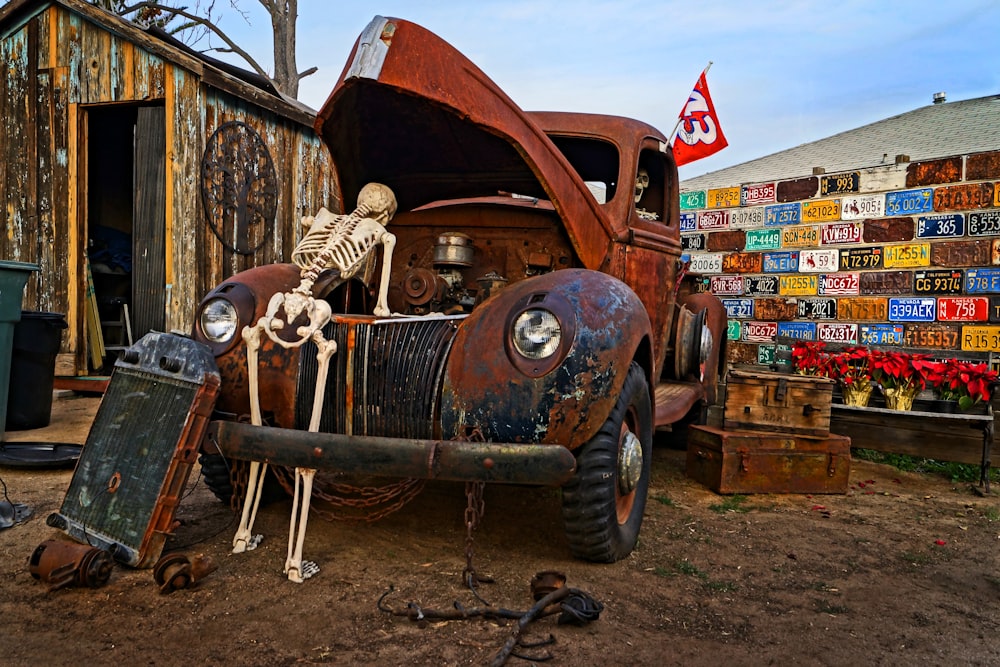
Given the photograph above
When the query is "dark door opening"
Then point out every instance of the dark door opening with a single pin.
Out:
(126, 221)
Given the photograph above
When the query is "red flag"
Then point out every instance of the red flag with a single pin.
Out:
(698, 133)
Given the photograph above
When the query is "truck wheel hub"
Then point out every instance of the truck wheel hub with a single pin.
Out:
(629, 463)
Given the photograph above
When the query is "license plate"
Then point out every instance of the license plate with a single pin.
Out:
(817, 309)
(727, 285)
(819, 261)
(963, 309)
(837, 333)
(907, 255)
(941, 336)
(839, 284)
(821, 211)
(862, 308)
(723, 197)
(738, 308)
(743, 218)
(800, 236)
(867, 206)
(689, 222)
(781, 262)
(761, 285)
(765, 354)
(762, 193)
(742, 262)
(981, 338)
(836, 184)
(713, 220)
(842, 232)
(886, 282)
(775, 309)
(783, 214)
(995, 259)
(912, 309)
(938, 282)
(940, 226)
(881, 334)
(852, 259)
(797, 285)
(693, 241)
(984, 224)
(982, 281)
(759, 332)
(706, 263)
(692, 200)
(763, 239)
(733, 329)
(797, 330)
(995, 309)
(908, 202)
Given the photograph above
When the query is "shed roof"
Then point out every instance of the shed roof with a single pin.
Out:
(934, 131)
(242, 83)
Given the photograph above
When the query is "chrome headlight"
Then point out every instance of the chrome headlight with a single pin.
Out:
(219, 320)
(536, 333)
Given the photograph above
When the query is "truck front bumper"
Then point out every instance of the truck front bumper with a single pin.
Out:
(452, 460)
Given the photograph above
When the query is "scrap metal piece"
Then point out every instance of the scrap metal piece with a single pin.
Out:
(61, 564)
(175, 571)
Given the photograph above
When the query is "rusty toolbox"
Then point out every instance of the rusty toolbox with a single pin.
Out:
(141, 448)
(768, 462)
(797, 404)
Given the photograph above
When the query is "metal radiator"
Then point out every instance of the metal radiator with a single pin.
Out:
(142, 444)
(385, 377)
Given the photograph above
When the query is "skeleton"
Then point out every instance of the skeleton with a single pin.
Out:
(345, 243)
(641, 183)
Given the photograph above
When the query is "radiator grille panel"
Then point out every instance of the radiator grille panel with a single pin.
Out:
(385, 377)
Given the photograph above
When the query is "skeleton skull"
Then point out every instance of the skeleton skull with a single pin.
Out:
(641, 183)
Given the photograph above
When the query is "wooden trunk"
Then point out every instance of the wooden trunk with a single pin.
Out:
(798, 404)
(768, 462)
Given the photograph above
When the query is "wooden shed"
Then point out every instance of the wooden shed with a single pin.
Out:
(128, 157)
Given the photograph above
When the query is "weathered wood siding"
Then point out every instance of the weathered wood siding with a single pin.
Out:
(57, 61)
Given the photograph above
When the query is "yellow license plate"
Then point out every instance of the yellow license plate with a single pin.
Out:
(821, 211)
(906, 255)
(800, 237)
(980, 339)
(798, 285)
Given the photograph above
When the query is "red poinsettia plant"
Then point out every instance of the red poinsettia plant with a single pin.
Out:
(902, 371)
(966, 382)
(810, 358)
(851, 366)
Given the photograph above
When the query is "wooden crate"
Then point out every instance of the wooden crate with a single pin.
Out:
(797, 404)
(767, 462)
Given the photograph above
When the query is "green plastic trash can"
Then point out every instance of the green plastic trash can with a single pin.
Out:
(13, 278)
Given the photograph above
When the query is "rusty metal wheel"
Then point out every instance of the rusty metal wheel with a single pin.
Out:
(603, 504)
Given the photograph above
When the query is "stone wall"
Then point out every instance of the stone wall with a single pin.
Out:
(903, 254)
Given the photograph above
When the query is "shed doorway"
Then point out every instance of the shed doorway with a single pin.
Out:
(125, 221)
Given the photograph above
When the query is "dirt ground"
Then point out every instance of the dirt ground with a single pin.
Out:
(903, 569)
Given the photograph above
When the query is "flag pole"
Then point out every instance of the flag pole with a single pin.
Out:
(680, 119)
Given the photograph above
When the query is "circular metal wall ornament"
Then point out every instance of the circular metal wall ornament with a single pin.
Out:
(239, 190)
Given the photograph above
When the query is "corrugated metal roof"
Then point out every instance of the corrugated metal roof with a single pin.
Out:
(933, 131)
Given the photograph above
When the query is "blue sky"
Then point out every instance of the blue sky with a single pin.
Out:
(784, 73)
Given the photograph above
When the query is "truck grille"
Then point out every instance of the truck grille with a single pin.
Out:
(384, 379)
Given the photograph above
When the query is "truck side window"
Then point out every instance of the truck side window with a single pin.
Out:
(650, 187)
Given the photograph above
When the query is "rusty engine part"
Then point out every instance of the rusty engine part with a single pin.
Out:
(60, 564)
(175, 571)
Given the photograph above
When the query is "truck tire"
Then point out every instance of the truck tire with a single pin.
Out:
(215, 470)
(603, 504)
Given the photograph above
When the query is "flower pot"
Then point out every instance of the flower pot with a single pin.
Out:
(899, 398)
(856, 394)
(938, 405)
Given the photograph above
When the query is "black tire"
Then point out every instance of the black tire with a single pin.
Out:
(602, 520)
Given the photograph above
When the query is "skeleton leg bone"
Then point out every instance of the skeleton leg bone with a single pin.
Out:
(244, 540)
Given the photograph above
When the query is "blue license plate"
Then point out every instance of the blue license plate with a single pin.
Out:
(782, 214)
(908, 202)
(881, 334)
(689, 222)
(912, 309)
(982, 281)
(940, 226)
(738, 308)
(781, 262)
(797, 330)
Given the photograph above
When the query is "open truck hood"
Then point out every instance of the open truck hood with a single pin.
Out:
(412, 112)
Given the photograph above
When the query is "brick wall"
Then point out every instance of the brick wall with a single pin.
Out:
(905, 254)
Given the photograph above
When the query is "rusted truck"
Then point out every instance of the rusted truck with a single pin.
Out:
(541, 325)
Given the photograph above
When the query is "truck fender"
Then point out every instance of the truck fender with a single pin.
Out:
(563, 399)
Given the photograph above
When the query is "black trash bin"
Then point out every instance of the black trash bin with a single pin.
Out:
(37, 338)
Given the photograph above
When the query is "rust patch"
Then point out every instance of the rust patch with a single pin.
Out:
(961, 253)
(854, 309)
(743, 262)
(802, 188)
(729, 240)
(939, 336)
(932, 172)
(983, 166)
(741, 353)
(962, 197)
(886, 282)
(888, 230)
(776, 309)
